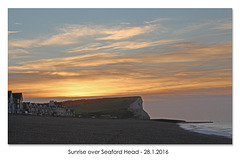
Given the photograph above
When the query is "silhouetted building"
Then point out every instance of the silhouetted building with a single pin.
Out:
(15, 104)
(11, 108)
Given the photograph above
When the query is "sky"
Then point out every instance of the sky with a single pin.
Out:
(178, 60)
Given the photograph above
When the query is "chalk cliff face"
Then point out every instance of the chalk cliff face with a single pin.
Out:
(137, 109)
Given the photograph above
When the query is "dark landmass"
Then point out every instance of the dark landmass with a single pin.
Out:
(116, 107)
(99, 104)
(66, 130)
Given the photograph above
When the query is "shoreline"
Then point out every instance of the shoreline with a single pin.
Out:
(207, 129)
(66, 130)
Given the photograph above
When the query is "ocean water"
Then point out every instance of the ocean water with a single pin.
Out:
(216, 128)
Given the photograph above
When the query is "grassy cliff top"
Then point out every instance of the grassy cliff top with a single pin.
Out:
(100, 105)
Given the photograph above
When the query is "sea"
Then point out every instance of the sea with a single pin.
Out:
(215, 128)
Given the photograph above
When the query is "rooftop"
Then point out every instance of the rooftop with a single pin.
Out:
(17, 95)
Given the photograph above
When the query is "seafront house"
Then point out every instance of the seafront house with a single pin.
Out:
(15, 104)
(11, 108)
(17, 99)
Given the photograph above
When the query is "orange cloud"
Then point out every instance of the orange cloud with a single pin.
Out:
(72, 34)
(118, 34)
(105, 74)
(23, 43)
(221, 51)
(18, 51)
(124, 45)
(13, 32)
(158, 20)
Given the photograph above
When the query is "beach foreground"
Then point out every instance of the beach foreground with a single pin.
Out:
(62, 130)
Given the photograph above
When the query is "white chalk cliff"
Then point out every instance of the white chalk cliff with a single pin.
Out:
(137, 109)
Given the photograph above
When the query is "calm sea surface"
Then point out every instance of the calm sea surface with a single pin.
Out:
(216, 128)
